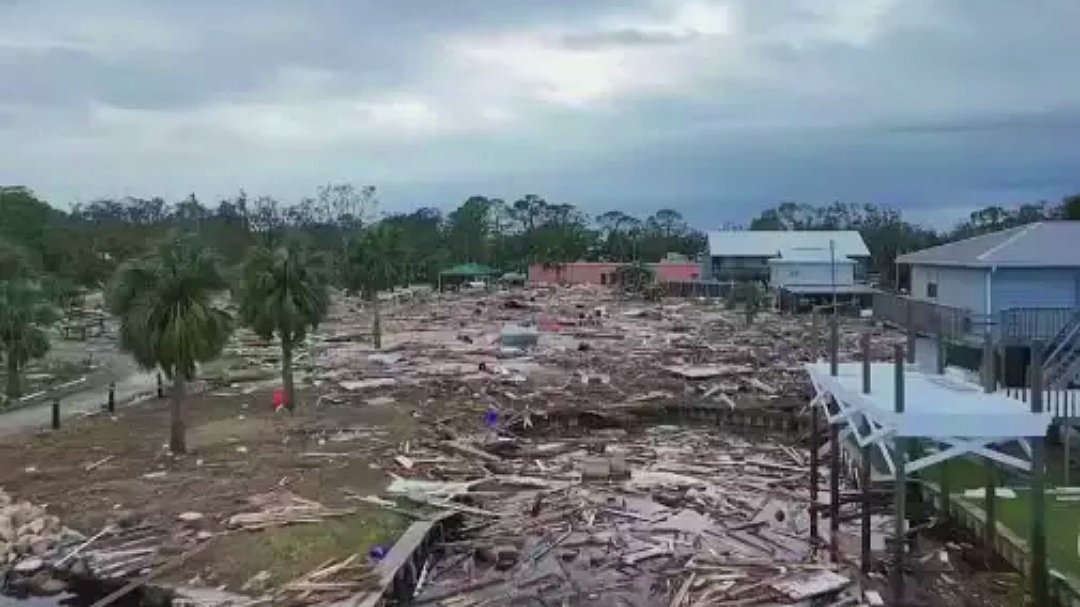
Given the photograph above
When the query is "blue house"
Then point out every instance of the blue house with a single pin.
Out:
(1019, 286)
(1031, 266)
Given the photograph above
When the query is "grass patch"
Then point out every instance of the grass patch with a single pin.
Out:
(289, 552)
(1062, 525)
(1062, 517)
(297, 549)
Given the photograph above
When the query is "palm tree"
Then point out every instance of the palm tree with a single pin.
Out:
(24, 314)
(169, 319)
(373, 265)
(283, 290)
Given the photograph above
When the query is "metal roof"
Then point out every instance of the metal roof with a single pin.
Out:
(765, 243)
(1045, 244)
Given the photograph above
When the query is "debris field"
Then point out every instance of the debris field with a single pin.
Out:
(543, 420)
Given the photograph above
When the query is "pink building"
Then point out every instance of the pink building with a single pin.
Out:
(604, 273)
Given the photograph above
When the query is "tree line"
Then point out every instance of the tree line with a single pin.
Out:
(182, 277)
(888, 235)
(84, 247)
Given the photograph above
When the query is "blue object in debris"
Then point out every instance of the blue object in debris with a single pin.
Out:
(491, 418)
(378, 553)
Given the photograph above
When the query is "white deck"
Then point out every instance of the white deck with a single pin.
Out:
(935, 406)
(953, 413)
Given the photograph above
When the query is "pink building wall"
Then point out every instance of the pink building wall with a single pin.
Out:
(598, 273)
(677, 271)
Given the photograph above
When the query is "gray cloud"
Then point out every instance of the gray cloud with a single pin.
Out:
(622, 37)
(715, 107)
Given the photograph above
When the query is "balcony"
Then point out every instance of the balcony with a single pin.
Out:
(1023, 325)
(925, 317)
(730, 274)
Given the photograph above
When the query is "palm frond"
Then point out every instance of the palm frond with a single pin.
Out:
(167, 310)
(283, 290)
(24, 312)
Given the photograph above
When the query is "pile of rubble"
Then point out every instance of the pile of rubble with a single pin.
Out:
(579, 346)
(28, 530)
(669, 516)
(29, 537)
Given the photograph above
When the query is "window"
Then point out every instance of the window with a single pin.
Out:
(931, 289)
(603, 279)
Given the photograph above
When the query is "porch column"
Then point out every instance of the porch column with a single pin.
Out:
(990, 491)
(815, 435)
(834, 444)
(909, 323)
(1039, 589)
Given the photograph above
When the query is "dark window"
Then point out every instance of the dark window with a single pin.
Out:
(603, 279)
(931, 289)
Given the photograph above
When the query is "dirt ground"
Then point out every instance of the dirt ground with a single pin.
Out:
(237, 447)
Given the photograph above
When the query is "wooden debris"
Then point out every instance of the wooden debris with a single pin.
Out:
(281, 507)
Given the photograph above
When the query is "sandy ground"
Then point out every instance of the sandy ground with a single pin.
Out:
(238, 447)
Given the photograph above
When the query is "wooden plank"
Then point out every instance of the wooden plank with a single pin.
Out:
(399, 554)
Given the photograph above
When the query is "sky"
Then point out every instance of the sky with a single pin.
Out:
(716, 108)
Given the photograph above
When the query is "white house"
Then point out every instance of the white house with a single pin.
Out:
(811, 267)
(745, 254)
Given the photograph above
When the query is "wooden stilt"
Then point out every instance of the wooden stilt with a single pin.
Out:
(940, 355)
(1037, 541)
(815, 437)
(865, 477)
(900, 490)
(834, 492)
(834, 445)
(946, 488)
(1067, 446)
(834, 344)
(909, 326)
(989, 383)
(990, 507)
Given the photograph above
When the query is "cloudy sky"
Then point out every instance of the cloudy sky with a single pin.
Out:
(717, 108)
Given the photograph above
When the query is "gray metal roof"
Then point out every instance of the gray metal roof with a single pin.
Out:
(769, 243)
(1045, 244)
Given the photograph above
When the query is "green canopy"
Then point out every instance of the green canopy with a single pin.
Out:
(470, 270)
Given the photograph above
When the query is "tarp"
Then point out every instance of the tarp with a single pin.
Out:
(470, 270)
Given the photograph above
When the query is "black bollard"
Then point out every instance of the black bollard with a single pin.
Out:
(112, 397)
(56, 414)
(160, 386)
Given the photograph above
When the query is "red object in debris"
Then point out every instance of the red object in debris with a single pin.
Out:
(280, 400)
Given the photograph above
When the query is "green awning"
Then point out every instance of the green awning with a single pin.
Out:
(470, 270)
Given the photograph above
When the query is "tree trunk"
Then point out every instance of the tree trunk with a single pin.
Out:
(14, 385)
(178, 427)
(376, 323)
(287, 372)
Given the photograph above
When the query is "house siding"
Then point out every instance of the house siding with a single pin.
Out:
(740, 268)
(957, 287)
(810, 274)
(1034, 288)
